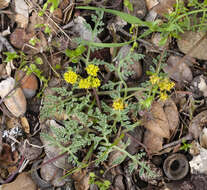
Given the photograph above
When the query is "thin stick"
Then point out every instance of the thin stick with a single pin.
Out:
(188, 137)
(97, 98)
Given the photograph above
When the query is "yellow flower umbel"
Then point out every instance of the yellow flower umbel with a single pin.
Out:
(84, 83)
(89, 82)
(95, 82)
(92, 70)
(154, 79)
(163, 96)
(70, 77)
(166, 84)
(118, 104)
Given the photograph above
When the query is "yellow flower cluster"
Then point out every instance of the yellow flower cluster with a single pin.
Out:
(91, 81)
(154, 79)
(164, 85)
(92, 70)
(118, 104)
(70, 77)
(163, 96)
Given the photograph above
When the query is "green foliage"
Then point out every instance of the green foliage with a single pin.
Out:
(128, 4)
(88, 127)
(46, 27)
(10, 56)
(33, 41)
(53, 5)
(190, 17)
(75, 55)
(185, 146)
(102, 185)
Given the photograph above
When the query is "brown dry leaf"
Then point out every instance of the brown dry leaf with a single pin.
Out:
(3, 73)
(152, 141)
(158, 122)
(22, 13)
(12, 122)
(178, 71)
(151, 3)
(25, 124)
(28, 83)
(197, 124)
(19, 37)
(23, 181)
(164, 7)
(7, 157)
(16, 101)
(114, 155)
(4, 3)
(35, 20)
(139, 8)
(188, 39)
(203, 138)
(81, 181)
(171, 113)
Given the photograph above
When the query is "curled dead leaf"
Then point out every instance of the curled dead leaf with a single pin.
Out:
(152, 141)
(188, 39)
(171, 113)
(197, 124)
(15, 102)
(158, 122)
(164, 7)
(161, 122)
(29, 83)
(178, 71)
(4, 4)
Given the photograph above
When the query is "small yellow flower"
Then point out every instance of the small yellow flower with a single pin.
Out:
(166, 84)
(95, 82)
(154, 79)
(118, 104)
(163, 96)
(84, 83)
(92, 70)
(70, 77)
